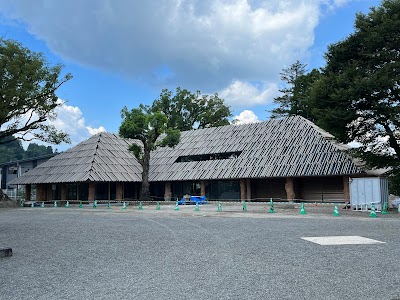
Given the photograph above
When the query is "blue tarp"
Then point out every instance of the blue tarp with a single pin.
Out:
(193, 200)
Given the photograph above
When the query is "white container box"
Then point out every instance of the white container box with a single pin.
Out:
(365, 191)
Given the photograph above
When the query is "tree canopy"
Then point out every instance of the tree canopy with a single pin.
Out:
(186, 110)
(10, 150)
(151, 129)
(356, 96)
(27, 90)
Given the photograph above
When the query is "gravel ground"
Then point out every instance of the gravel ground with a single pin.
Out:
(73, 253)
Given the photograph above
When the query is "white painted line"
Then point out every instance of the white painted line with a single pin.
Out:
(342, 240)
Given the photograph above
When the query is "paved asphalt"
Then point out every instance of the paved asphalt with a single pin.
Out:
(73, 253)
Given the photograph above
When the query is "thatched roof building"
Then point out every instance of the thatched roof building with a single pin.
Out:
(289, 158)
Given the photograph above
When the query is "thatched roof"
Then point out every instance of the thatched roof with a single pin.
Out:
(288, 147)
(102, 157)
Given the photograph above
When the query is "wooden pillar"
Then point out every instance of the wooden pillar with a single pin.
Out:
(92, 191)
(202, 188)
(248, 189)
(346, 188)
(137, 191)
(289, 187)
(167, 191)
(119, 191)
(28, 189)
(49, 192)
(243, 189)
(40, 192)
(63, 191)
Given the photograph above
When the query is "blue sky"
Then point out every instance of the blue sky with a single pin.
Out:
(124, 52)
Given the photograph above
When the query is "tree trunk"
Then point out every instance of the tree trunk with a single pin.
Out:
(3, 197)
(145, 195)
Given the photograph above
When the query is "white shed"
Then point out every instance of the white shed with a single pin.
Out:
(365, 191)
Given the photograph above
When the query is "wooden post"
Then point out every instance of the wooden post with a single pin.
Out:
(289, 187)
(167, 191)
(49, 191)
(92, 191)
(243, 189)
(346, 188)
(248, 189)
(202, 188)
(28, 189)
(63, 191)
(40, 192)
(120, 191)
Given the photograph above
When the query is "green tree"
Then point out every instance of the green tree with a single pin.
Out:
(35, 150)
(27, 90)
(151, 129)
(10, 150)
(288, 101)
(358, 96)
(185, 110)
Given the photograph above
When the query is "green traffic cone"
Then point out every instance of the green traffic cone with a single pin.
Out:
(176, 205)
(302, 209)
(384, 209)
(244, 206)
(140, 205)
(55, 204)
(95, 204)
(373, 211)
(67, 204)
(80, 204)
(42, 204)
(336, 211)
(271, 206)
(219, 206)
(158, 206)
(124, 205)
(109, 205)
(197, 207)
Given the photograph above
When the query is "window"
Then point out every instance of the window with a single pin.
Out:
(210, 156)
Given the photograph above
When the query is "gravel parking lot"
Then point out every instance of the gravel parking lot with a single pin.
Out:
(73, 253)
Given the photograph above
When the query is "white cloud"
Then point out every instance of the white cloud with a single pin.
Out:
(94, 131)
(245, 117)
(239, 94)
(70, 120)
(203, 43)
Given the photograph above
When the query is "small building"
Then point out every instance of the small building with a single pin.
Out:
(13, 169)
(287, 159)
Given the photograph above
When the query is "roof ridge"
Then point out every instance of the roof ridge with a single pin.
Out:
(94, 155)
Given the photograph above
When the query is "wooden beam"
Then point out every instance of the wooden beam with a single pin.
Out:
(49, 192)
(289, 188)
(248, 189)
(243, 189)
(63, 192)
(28, 189)
(92, 191)
(167, 191)
(40, 192)
(119, 191)
(346, 188)
(202, 188)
